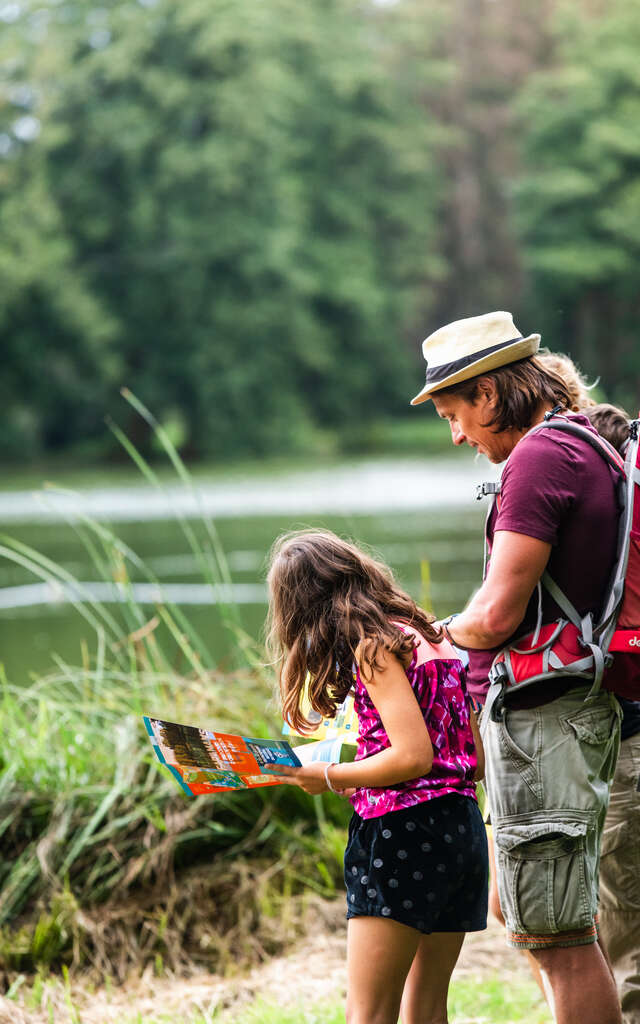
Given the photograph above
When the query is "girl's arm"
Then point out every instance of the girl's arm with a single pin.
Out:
(410, 754)
(479, 772)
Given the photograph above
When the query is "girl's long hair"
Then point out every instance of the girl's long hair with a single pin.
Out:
(330, 604)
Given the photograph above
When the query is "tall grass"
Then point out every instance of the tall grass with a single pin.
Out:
(104, 862)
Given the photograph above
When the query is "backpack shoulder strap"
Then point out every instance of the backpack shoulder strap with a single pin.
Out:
(609, 615)
(598, 443)
(491, 487)
(597, 637)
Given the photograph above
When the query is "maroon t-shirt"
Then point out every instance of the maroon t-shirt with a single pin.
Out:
(556, 488)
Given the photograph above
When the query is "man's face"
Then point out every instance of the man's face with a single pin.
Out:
(467, 423)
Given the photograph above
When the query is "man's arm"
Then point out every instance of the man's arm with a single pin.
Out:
(497, 609)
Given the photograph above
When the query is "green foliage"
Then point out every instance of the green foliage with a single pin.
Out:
(44, 941)
(250, 212)
(224, 204)
(578, 201)
(55, 333)
(93, 830)
(423, 434)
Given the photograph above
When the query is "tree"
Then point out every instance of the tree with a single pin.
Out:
(578, 203)
(248, 194)
(55, 335)
(477, 54)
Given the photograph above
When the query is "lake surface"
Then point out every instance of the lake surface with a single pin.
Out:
(420, 516)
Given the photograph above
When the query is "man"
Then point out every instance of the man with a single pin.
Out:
(620, 862)
(551, 755)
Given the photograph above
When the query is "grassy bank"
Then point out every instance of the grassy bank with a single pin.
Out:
(481, 1000)
(485, 1000)
(305, 986)
(104, 862)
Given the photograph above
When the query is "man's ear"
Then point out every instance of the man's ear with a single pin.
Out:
(487, 389)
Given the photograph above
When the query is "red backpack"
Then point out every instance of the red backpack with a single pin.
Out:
(603, 651)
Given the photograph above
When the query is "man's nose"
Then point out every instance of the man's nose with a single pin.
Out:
(457, 435)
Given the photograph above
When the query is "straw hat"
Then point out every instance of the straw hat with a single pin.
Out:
(467, 348)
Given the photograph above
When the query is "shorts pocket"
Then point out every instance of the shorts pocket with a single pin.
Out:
(597, 737)
(519, 737)
(620, 866)
(591, 727)
(545, 882)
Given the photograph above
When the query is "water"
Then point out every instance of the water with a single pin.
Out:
(409, 512)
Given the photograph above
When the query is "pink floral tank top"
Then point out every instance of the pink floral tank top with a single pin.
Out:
(437, 678)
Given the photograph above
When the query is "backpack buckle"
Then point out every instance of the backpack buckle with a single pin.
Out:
(488, 487)
(553, 412)
(499, 679)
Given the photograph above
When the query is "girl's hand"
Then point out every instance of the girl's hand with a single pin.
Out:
(309, 777)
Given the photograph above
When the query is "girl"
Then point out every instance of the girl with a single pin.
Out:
(416, 860)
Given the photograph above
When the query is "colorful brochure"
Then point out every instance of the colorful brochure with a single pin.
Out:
(344, 723)
(203, 761)
(339, 748)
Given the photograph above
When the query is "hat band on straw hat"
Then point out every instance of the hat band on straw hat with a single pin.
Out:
(439, 373)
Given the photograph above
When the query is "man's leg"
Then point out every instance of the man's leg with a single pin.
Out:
(548, 772)
(534, 966)
(578, 985)
(620, 879)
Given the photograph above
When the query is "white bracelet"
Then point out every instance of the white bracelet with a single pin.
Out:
(328, 780)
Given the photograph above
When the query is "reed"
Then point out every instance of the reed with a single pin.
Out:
(104, 862)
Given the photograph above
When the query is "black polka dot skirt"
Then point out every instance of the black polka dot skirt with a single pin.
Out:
(424, 866)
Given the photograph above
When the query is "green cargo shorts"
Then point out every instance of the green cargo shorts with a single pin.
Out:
(620, 879)
(548, 772)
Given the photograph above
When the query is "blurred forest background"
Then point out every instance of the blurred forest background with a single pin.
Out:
(250, 212)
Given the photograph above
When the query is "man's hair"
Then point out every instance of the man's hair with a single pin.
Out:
(611, 423)
(564, 367)
(521, 388)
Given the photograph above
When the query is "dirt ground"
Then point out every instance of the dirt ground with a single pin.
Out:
(317, 964)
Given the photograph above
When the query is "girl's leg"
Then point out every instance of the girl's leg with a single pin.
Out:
(424, 1000)
(379, 955)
